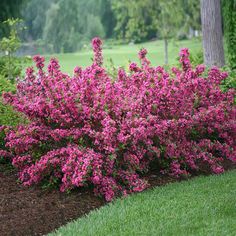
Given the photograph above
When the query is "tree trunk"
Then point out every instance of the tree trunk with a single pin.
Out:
(212, 33)
(166, 50)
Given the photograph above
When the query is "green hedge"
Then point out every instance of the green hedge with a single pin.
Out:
(8, 115)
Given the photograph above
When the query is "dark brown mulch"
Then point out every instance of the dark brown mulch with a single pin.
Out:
(33, 211)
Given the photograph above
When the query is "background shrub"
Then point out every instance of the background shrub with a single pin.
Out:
(229, 20)
(230, 82)
(196, 58)
(8, 117)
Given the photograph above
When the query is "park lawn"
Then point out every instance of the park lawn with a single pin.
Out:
(122, 54)
(200, 206)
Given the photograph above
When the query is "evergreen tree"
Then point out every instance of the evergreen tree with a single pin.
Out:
(229, 16)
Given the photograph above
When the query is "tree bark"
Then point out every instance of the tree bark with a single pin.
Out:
(166, 51)
(212, 33)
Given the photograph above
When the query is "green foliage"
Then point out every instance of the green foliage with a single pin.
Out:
(57, 31)
(192, 18)
(10, 66)
(197, 58)
(229, 17)
(169, 18)
(94, 27)
(9, 9)
(6, 86)
(134, 19)
(13, 68)
(145, 19)
(141, 20)
(230, 81)
(35, 17)
(11, 43)
(105, 14)
(8, 116)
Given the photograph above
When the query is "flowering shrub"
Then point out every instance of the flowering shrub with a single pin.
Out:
(90, 129)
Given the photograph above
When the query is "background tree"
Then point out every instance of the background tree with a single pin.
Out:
(192, 17)
(9, 65)
(229, 16)
(168, 21)
(69, 23)
(145, 19)
(140, 23)
(9, 9)
(57, 31)
(34, 14)
(121, 12)
(134, 19)
(105, 14)
(212, 33)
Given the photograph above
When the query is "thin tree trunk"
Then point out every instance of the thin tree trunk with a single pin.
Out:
(212, 33)
(166, 50)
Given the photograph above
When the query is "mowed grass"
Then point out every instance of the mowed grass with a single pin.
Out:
(122, 54)
(200, 206)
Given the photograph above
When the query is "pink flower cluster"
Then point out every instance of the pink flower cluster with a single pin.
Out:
(90, 129)
(97, 49)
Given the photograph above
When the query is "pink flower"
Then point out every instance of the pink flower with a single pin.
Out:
(97, 48)
(39, 61)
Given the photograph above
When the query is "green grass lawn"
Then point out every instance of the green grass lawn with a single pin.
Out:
(122, 54)
(200, 206)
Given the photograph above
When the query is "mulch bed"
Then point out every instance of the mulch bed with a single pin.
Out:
(33, 211)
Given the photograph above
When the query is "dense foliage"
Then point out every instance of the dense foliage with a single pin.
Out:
(10, 68)
(89, 129)
(8, 116)
(9, 9)
(229, 16)
(10, 65)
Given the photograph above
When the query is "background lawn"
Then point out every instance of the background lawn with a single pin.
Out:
(121, 54)
(201, 206)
